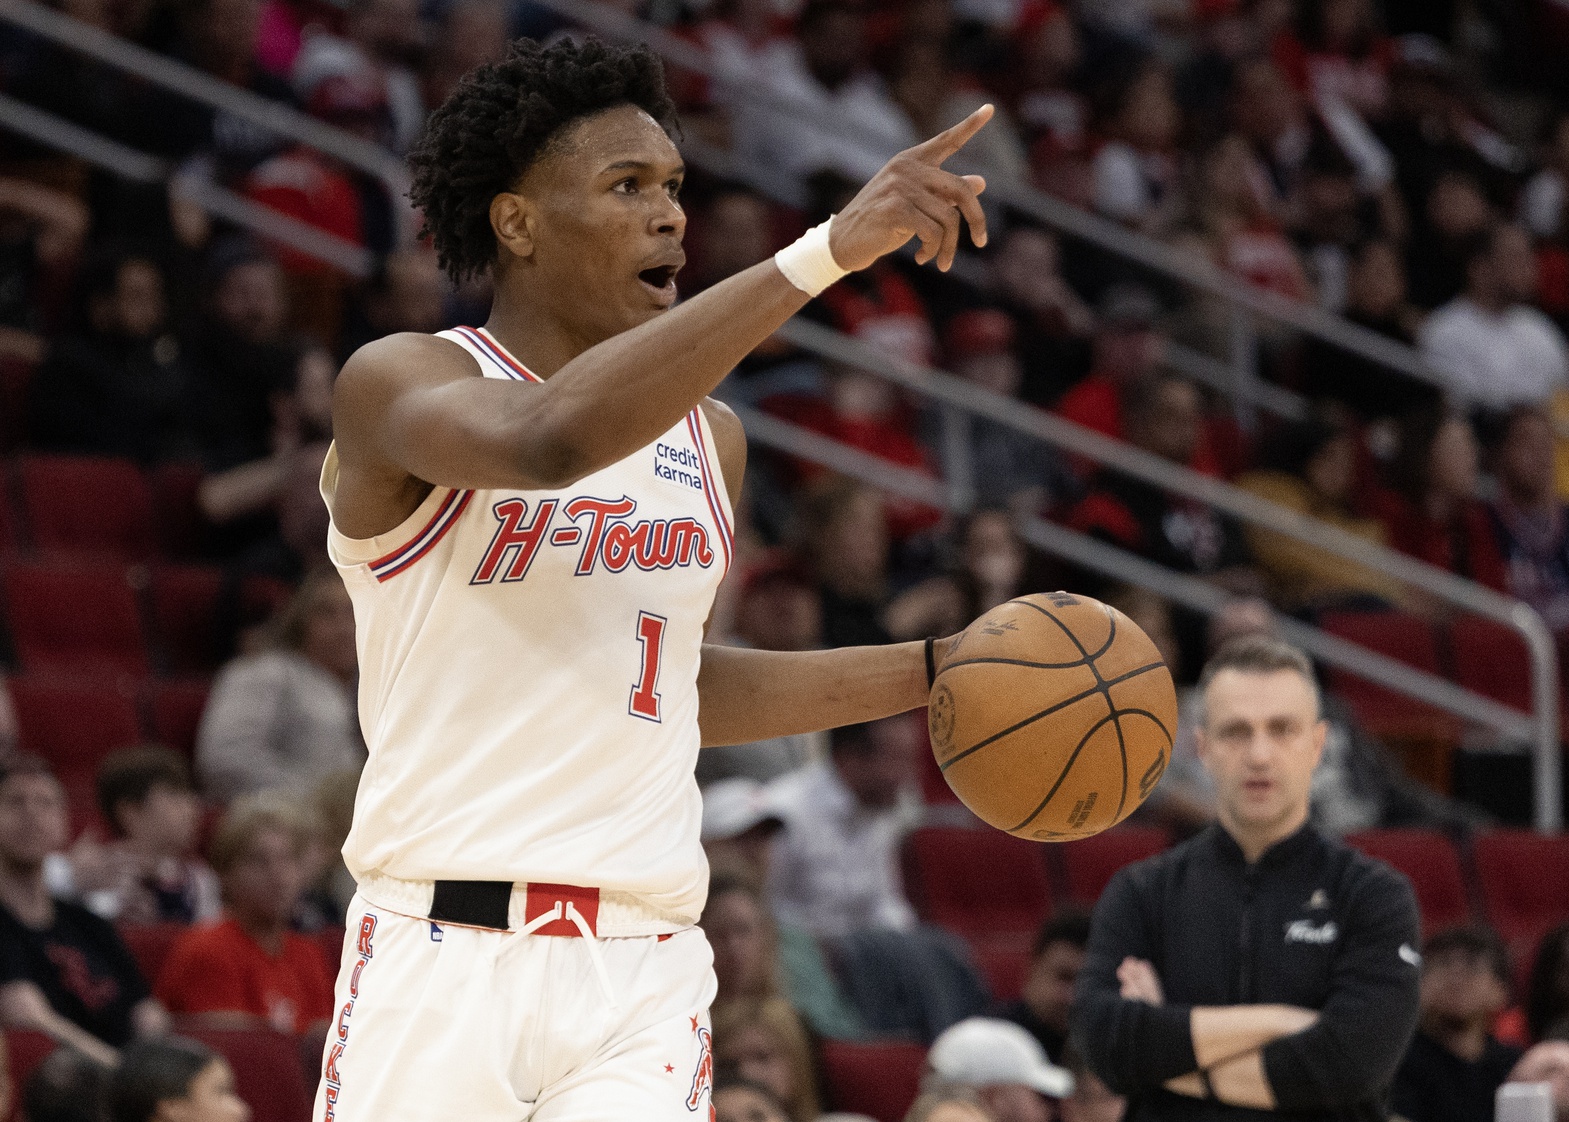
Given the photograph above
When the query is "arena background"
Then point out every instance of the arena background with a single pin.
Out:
(1221, 364)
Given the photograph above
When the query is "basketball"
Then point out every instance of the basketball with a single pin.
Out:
(1052, 716)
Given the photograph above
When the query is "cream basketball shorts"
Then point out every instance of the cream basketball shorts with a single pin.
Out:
(547, 1022)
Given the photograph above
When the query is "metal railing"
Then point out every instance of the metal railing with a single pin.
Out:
(194, 85)
(218, 201)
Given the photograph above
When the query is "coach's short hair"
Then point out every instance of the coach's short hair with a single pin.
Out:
(1259, 654)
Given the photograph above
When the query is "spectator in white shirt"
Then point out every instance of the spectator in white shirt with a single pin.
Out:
(1496, 350)
(285, 717)
(835, 867)
(846, 123)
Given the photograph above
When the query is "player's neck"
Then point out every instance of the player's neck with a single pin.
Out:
(542, 342)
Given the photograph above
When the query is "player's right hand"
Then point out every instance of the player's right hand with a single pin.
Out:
(914, 197)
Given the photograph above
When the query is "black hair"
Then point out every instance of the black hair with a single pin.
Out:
(154, 1071)
(67, 1086)
(1475, 942)
(499, 120)
(1068, 926)
(130, 774)
(1294, 446)
(1546, 1005)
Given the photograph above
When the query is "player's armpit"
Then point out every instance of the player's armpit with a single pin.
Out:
(1221, 1032)
(730, 444)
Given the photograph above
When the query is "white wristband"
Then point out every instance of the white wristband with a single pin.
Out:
(808, 263)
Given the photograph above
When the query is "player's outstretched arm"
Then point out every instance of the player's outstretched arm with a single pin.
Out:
(747, 695)
(413, 406)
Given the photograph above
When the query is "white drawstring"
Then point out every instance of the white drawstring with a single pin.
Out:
(595, 957)
(540, 920)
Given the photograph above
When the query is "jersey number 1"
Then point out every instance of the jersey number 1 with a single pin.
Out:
(645, 698)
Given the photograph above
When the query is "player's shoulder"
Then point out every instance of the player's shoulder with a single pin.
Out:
(407, 356)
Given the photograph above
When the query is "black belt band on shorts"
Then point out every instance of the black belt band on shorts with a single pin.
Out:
(473, 903)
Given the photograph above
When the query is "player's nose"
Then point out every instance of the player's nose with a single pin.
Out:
(669, 219)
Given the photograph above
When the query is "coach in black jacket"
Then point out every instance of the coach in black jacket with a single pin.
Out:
(1260, 968)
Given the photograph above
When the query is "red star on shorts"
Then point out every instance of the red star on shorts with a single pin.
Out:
(694, 1024)
(669, 1068)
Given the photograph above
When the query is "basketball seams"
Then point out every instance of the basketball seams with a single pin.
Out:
(1068, 631)
(1063, 774)
(1102, 687)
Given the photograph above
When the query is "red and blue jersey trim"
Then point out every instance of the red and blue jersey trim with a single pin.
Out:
(446, 516)
(710, 489)
(509, 366)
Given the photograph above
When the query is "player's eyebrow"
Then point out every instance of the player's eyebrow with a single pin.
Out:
(643, 165)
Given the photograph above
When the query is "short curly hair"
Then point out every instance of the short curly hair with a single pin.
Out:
(501, 117)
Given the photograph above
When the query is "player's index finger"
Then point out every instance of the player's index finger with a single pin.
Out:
(950, 140)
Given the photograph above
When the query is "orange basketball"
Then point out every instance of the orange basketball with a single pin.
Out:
(1052, 716)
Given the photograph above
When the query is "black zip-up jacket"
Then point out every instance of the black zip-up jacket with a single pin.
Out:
(1312, 923)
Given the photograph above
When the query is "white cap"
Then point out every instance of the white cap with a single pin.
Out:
(731, 807)
(986, 1052)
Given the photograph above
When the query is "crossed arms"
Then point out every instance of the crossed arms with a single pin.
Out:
(1264, 1056)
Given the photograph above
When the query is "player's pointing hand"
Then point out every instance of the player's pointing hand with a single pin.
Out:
(913, 196)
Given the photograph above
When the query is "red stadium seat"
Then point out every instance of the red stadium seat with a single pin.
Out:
(87, 505)
(982, 883)
(74, 619)
(178, 525)
(184, 600)
(74, 723)
(1525, 882)
(879, 1079)
(24, 1051)
(1406, 638)
(149, 944)
(267, 1071)
(177, 707)
(934, 788)
(1089, 863)
(1492, 660)
(1004, 967)
(1431, 863)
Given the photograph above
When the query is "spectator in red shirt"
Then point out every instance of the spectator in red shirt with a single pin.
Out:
(1128, 349)
(249, 965)
(1433, 513)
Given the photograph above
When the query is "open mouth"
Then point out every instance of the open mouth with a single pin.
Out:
(660, 277)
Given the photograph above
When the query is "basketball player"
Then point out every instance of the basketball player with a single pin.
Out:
(532, 518)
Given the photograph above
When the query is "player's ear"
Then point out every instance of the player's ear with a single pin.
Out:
(511, 220)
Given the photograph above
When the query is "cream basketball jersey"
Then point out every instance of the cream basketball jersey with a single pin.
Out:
(528, 674)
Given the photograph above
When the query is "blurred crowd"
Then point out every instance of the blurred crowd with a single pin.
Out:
(1404, 165)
